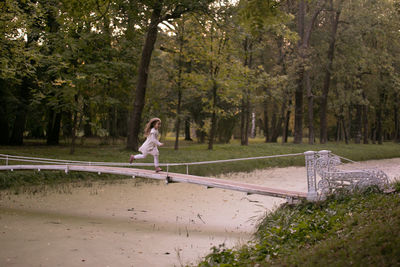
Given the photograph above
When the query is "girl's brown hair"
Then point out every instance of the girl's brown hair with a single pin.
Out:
(150, 125)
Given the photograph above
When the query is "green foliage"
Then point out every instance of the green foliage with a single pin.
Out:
(81, 57)
(364, 46)
(258, 17)
(359, 228)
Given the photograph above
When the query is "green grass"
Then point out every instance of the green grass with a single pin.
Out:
(192, 152)
(361, 229)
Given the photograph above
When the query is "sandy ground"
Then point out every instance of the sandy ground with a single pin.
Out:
(146, 224)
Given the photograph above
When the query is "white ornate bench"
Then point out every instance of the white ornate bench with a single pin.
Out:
(325, 165)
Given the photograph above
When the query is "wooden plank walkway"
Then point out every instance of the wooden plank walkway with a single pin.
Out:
(168, 177)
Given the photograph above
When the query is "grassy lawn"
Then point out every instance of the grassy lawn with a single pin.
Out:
(91, 150)
(96, 150)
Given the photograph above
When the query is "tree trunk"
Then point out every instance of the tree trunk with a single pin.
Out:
(327, 79)
(73, 134)
(112, 126)
(76, 122)
(287, 119)
(266, 121)
(87, 128)
(310, 97)
(115, 124)
(379, 130)
(247, 120)
(138, 104)
(187, 129)
(17, 134)
(373, 131)
(178, 118)
(396, 137)
(253, 125)
(281, 121)
(285, 109)
(298, 111)
(365, 123)
(276, 123)
(53, 127)
(350, 122)
(4, 128)
(304, 30)
(357, 130)
(200, 133)
(338, 130)
(19, 128)
(213, 117)
(245, 116)
(379, 126)
(273, 124)
(178, 108)
(345, 131)
(244, 122)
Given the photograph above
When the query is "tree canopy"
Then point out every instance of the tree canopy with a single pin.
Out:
(212, 70)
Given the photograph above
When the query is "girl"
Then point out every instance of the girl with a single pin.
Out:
(151, 143)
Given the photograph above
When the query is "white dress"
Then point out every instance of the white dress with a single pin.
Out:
(151, 144)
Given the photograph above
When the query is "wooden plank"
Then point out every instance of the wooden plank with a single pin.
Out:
(168, 177)
(237, 186)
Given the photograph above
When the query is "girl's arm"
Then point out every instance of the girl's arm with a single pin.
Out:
(153, 139)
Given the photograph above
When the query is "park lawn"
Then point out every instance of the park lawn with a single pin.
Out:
(193, 152)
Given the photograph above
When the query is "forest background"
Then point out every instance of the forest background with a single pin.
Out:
(317, 69)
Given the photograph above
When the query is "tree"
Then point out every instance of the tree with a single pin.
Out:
(175, 64)
(11, 54)
(365, 68)
(305, 28)
(259, 23)
(334, 22)
(27, 68)
(160, 11)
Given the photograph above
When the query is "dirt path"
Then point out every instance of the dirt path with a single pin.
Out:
(127, 224)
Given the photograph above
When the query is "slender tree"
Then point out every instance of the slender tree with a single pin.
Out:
(334, 22)
(305, 28)
(160, 11)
